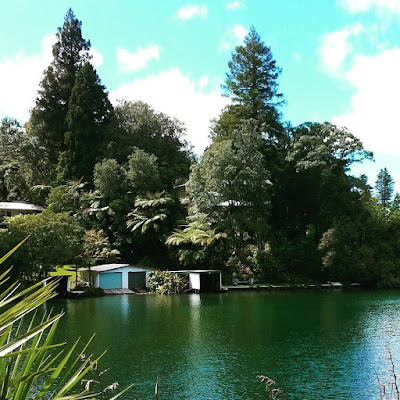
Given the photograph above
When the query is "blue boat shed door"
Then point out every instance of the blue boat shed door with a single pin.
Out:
(110, 280)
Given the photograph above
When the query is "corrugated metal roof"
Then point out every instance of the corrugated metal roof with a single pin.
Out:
(20, 206)
(197, 271)
(110, 267)
(107, 267)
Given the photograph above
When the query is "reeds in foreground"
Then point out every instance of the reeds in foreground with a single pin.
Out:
(389, 390)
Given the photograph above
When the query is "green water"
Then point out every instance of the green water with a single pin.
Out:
(315, 345)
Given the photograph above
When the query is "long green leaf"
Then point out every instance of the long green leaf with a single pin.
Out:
(4, 258)
(15, 381)
(83, 395)
(77, 359)
(121, 392)
(77, 376)
(9, 347)
(56, 372)
(29, 350)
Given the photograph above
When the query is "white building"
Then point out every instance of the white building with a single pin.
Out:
(203, 280)
(12, 208)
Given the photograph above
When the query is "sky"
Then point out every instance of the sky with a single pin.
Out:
(340, 60)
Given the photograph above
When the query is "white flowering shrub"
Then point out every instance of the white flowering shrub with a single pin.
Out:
(166, 282)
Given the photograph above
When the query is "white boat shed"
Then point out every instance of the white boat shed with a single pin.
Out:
(203, 280)
(118, 276)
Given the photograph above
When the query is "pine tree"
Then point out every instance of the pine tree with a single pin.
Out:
(48, 117)
(384, 187)
(252, 79)
(396, 202)
(89, 111)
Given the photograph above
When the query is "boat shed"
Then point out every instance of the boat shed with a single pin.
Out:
(118, 276)
(203, 280)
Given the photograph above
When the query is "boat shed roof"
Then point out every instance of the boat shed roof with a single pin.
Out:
(107, 267)
(198, 271)
(110, 267)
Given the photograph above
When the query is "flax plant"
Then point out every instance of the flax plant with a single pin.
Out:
(31, 366)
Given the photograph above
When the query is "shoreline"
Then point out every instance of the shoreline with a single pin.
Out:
(323, 286)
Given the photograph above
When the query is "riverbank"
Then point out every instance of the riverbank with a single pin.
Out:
(329, 285)
(227, 288)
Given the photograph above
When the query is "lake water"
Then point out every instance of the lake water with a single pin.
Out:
(315, 345)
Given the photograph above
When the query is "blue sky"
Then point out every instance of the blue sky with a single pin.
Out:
(340, 59)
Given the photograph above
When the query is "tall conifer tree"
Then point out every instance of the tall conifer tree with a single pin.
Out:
(252, 81)
(89, 110)
(384, 187)
(48, 117)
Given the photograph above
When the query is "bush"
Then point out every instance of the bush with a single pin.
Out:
(93, 291)
(239, 270)
(166, 282)
(264, 265)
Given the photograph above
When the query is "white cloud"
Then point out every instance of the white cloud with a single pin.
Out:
(134, 61)
(336, 47)
(19, 80)
(234, 5)
(232, 37)
(203, 82)
(355, 6)
(375, 105)
(188, 12)
(97, 58)
(178, 95)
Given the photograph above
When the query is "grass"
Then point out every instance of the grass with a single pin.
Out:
(66, 270)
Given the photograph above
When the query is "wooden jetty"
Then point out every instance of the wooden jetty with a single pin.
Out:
(118, 291)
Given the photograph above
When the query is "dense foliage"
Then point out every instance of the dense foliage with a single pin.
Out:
(166, 282)
(266, 200)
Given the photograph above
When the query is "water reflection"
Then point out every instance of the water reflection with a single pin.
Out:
(316, 345)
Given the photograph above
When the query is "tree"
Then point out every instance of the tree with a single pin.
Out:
(109, 178)
(48, 117)
(22, 162)
(384, 187)
(89, 111)
(252, 84)
(61, 199)
(325, 146)
(143, 172)
(150, 222)
(317, 177)
(396, 202)
(320, 156)
(97, 248)
(252, 81)
(151, 213)
(55, 239)
(231, 185)
(139, 126)
(196, 240)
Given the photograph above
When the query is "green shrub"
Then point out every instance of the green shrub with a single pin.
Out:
(91, 291)
(166, 282)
